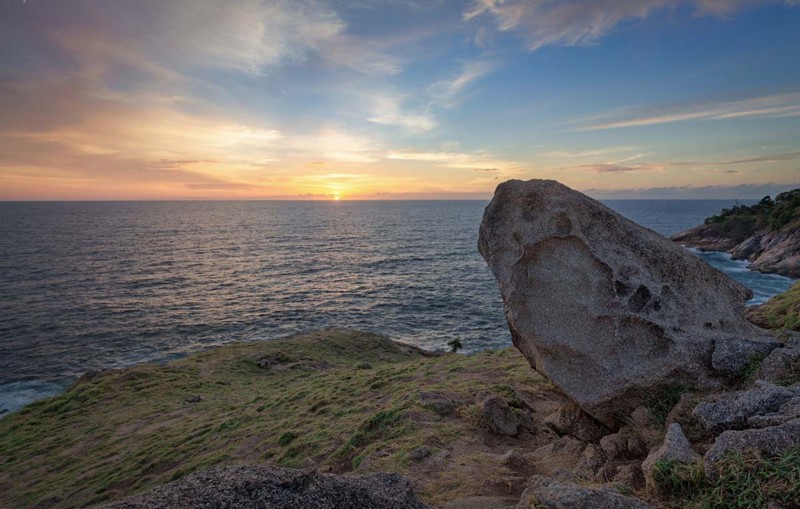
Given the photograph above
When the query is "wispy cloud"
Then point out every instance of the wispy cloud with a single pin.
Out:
(466, 161)
(719, 192)
(584, 22)
(770, 106)
(447, 93)
(388, 110)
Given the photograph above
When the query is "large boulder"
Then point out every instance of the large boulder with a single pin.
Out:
(265, 487)
(609, 311)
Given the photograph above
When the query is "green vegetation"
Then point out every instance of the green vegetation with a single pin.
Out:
(745, 481)
(125, 431)
(660, 402)
(455, 345)
(741, 221)
(780, 312)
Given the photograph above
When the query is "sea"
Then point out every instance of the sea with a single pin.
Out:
(95, 285)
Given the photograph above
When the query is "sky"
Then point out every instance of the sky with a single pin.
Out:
(397, 99)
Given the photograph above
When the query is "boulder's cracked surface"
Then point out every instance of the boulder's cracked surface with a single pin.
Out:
(609, 311)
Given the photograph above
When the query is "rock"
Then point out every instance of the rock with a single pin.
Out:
(733, 410)
(363, 365)
(514, 460)
(265, 487)
(682, 409)
(560, 455)
(570, 420)
(547, 493)
(481, 503)
(592, 296)
(630, 475)
(499, 416)
(768, 441)
(614, 446)
(591, 459)
(420, 453)
(733, 357)
(193, 399)
(437, 403)
(676, 448)
(642, 417)
(781, 365)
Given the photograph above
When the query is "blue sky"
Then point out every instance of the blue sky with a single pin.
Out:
(400, 99)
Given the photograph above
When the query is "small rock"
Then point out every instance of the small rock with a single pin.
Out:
(733, 410)
(363, 365)
(560, 455)
(592, 458)
(514, 460)
(768, 441)
(570, 420)
(500, 417)
(420, 453)
(194, 399)
(481, 503)
(547, 493)
(614, 446)
(642, 416)
(437, 403)
(732, 357)
(637, 447)
(676, 448)
(781, 365)
(630, 475)
(683, 408)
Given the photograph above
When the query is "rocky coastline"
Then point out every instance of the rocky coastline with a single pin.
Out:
(767, 235)
(635, 381)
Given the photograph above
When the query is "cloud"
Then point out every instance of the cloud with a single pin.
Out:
(740, 191)
(618, 168)
(388, 110)
(584, 22)
(587, 153)
(465, 161)
(770, 106)
(447, 93)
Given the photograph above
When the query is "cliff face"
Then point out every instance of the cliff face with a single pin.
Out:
(768, 251)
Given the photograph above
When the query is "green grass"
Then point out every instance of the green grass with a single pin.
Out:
(660, 402)
(780, 312)
(128, 430)
(746, 481)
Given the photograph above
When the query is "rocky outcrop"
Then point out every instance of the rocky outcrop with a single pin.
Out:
(499, 416)
(553, 494)
(769, 441)
(676, 449)
(264, 487)
(775, 251)
(609, 311)
(763, 404)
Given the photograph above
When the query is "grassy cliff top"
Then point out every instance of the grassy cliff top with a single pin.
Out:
(338, 400)
(780, 312)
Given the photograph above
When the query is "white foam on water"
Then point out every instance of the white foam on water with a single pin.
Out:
(16, 395)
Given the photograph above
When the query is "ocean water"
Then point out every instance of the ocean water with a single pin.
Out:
(94, 285)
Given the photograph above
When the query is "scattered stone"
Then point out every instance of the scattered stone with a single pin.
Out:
(637, 447)
(482, 503)
(273, 361)
(514, 460)
(642, 416)
(265, 487)
(769, 441)
(676, 448)
(500, 417)
(561, 454)
(547, 493)
(614, 445)
(781, 365)
(592, 296)
(570, 420)
(733, 357)
(194, 399)
(437, 403)
(733, 410)
(682, 409)
(420, 453)
(629, 475)
(363, 365)
(592, 459)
